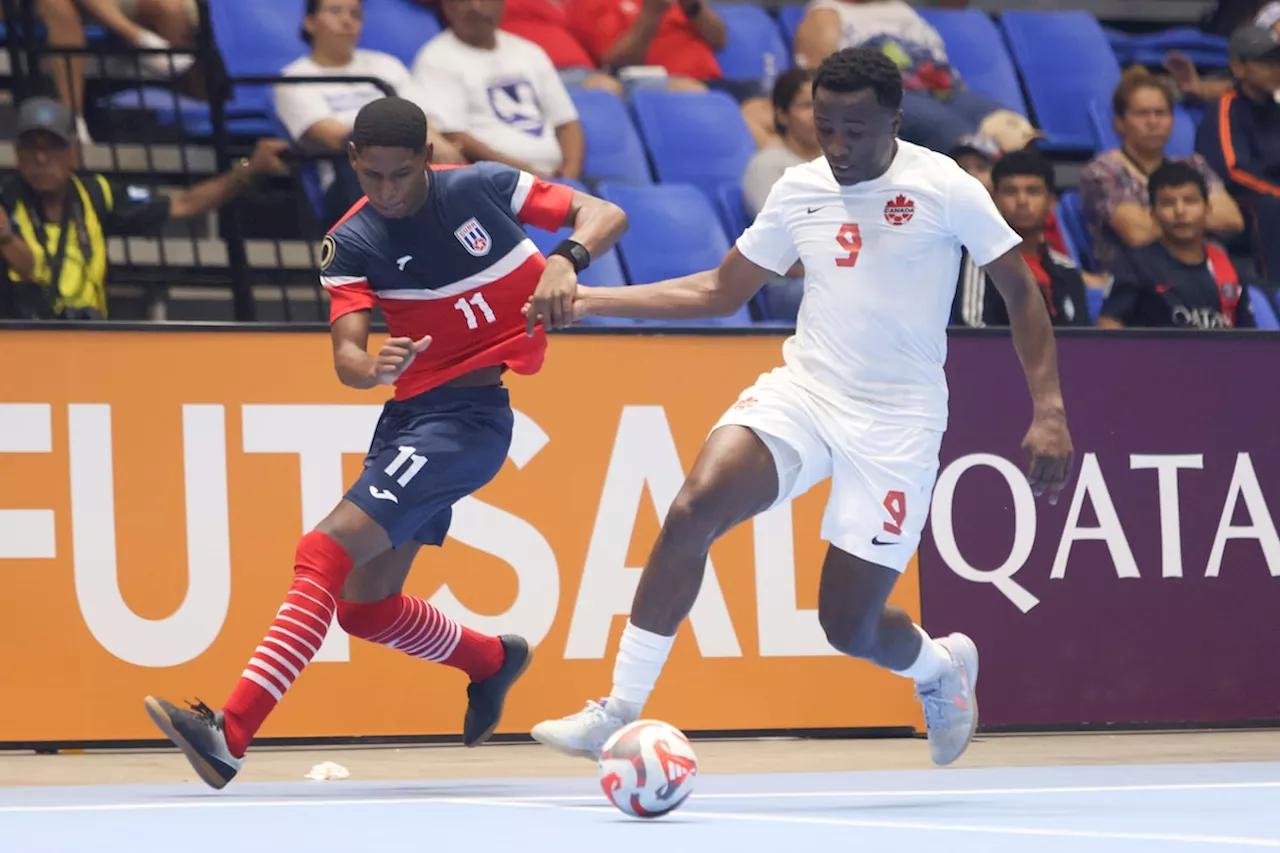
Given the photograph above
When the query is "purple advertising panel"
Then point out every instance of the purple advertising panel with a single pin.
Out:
(1151, 593)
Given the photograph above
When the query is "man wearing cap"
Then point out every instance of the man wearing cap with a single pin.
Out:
(1240, 138)
(54, 222)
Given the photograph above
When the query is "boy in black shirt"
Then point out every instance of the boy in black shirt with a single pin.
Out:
(1024, 192)
(1182, 280)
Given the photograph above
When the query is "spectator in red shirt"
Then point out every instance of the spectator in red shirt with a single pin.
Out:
(546, 24)
(681, 36)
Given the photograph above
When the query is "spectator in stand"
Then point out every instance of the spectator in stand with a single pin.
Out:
(797, 139)
(1241, 137)
(938, 108)
(1183, 279)
(496, 96)
(798, 143)
(977, 155)
(54, 222)
(546, 24)
(680, 36)
(319, 116)
(1025, 193)
(1113, 186)
(1188, 79)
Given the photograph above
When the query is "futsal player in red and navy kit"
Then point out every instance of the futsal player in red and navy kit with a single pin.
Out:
(466, 297)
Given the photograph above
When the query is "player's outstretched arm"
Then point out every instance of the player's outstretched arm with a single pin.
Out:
(1048, 442)
(597, 224)
(714, 293)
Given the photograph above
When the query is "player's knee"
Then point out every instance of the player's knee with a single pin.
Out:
(848, 630)
(693, 519)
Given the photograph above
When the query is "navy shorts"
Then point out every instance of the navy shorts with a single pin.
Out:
(427, 453)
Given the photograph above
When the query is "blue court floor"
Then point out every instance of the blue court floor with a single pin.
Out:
(1093, 809)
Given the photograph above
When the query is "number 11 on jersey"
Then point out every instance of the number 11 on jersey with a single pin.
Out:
(464, 306)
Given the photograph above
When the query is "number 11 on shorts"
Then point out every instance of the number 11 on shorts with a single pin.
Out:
(895, 503)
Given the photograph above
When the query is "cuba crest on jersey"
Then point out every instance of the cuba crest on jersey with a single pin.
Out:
(474, 238)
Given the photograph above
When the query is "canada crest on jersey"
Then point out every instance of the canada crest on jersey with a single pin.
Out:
(898, 211)
(474, 238)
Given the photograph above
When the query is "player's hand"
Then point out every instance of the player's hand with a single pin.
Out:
(1050, 454)
(552, 302)
(395, 357)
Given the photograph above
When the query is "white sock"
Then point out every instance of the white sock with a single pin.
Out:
(931, 664)
(641, 656)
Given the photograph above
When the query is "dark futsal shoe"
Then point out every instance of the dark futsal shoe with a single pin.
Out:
(201, 735)
(485, 698)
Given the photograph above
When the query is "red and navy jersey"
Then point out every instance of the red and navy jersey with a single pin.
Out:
(459, 269)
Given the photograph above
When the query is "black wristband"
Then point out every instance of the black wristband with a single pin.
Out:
(576, 253)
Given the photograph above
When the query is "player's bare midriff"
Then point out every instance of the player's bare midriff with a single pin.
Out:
(477, 378)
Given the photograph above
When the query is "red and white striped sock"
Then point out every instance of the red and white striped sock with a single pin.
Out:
(419, 630)
(300, 626)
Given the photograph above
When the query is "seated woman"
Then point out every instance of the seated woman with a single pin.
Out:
(1113, 186)
(798, 143)
(937, 108)
(319, 116)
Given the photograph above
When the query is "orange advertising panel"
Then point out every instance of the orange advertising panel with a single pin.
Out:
(153, 486)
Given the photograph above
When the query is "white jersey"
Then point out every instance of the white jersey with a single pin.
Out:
(881, 261)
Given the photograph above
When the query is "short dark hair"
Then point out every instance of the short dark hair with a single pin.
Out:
(785, 89)
(856, 68)
(390, 123)
(313, 6)
(1024, 163)
(1176, 173)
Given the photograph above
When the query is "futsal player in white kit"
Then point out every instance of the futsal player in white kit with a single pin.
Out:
(878, 224)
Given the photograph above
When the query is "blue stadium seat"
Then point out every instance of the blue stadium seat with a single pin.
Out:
(732, 209)
(1067, 62)
(696, 138)
(395, 27)
(1206, 50)
(1181, 144)
(1121, 45)
(1095, 297)
(614, 150)
(1183, 141)
(976, 51)
(1263, 311)
(674, 232)
(789, 17)
(1071, 217)
(605, 271)
(755, 49)
(258, 36)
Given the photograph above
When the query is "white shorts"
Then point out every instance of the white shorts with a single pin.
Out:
(882, 474)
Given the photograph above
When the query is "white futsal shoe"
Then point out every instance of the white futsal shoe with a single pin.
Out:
(582, 734)
(950, 703)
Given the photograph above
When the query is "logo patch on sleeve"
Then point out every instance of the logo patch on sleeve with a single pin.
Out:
(328, 250)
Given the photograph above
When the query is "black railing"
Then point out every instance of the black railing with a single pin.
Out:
(248, 261)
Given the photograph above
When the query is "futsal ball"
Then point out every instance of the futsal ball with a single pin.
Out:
(647, 768)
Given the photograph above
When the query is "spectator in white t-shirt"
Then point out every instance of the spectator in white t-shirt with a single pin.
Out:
(497, 96)
(319, 116)
(937, 107)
